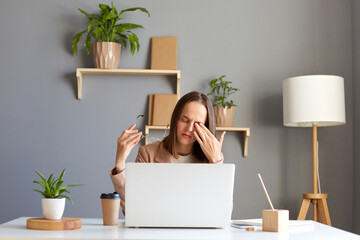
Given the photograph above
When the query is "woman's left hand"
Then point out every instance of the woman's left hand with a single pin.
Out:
(208, 142)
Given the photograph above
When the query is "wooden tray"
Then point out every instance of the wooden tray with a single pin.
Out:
(46, 224)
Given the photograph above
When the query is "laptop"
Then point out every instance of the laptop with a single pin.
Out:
(179, 195)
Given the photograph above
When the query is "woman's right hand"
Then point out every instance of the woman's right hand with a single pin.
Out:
(125, 143)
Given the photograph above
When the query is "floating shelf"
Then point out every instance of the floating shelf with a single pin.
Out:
(246, 132)
(97, 71)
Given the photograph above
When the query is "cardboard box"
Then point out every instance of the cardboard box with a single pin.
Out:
(164, 53)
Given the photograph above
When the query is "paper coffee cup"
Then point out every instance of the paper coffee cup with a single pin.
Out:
(110, 203)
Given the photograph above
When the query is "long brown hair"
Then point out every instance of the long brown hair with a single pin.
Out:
(170, 140)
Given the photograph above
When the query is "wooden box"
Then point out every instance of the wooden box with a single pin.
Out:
(275, 220)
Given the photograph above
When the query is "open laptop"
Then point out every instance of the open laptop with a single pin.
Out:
(179, 195)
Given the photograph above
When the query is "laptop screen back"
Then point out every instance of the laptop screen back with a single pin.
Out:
(178, 195)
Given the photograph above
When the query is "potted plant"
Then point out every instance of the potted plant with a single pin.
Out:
(108, 34)
(224, 109)
(53, 203)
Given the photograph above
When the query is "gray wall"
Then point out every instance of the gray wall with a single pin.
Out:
(356, 101)
(256, 43)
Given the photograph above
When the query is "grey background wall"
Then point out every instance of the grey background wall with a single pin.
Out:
(356, 103)
(255, 43)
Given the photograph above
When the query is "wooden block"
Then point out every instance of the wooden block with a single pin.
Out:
(46, 224)
(275, 220)
(162, 108)
(164, 53)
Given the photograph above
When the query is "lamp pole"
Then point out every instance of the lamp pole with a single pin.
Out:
(315, 171)
(321, 210)
(315, 160)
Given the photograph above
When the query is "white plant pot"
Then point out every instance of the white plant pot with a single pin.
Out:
(53, 208)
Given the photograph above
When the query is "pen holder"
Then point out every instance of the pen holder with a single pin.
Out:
(275, 220)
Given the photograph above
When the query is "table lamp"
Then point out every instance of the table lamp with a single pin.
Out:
(314, 101)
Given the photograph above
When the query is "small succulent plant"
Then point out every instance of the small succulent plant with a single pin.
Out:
(53, 188)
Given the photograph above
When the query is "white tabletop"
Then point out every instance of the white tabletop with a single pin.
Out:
(92, 228)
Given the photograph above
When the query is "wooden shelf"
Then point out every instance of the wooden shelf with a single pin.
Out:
(97, 71)
(246, 132)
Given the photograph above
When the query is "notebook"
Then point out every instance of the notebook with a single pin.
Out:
(294, 225)
(164, 53)
(161, 107)
(179, 195)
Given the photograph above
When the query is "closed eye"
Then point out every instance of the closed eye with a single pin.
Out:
(185, 119)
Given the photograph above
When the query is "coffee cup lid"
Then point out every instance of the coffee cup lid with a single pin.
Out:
(113, 195)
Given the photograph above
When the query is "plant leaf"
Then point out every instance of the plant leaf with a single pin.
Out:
(41, 176)
(82, 11)
(75, 41)
(50, 179)
(40, 183)
(95, 16)
(122, 38)
(41, 192)
(114, 8)
(104, 8)
(64, 196)
(46, 188)
(134, 43)
(62, 174)
(71, 185)
(134, 9)
(88, 42)
(64, 190)
(122, 27)
(93, 23)
(99, 32)
(109, 15)
(57, 188)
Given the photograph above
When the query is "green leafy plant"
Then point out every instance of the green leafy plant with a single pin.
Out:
(53, 188)
(104, 27)
(221, 90)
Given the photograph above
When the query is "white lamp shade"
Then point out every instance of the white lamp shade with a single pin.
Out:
(314, 99)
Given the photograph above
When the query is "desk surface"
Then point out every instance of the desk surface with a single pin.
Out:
(92, 228)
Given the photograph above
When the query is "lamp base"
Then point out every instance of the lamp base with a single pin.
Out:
(321, 210)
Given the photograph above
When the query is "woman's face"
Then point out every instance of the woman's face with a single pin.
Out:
(192, 113)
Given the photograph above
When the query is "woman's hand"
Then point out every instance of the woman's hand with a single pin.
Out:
(125, 143)
(208, 142)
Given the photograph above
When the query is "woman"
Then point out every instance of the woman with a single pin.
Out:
(191, 140)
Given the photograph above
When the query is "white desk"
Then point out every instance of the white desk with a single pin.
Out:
(92, 228)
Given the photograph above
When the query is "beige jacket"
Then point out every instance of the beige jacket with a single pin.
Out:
(151, 153)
